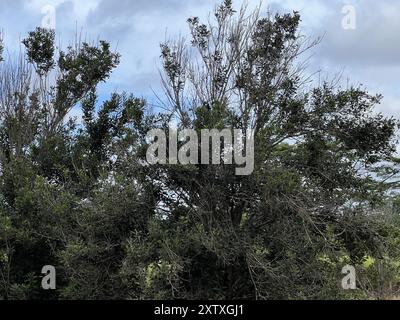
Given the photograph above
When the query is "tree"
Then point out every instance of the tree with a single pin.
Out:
(43, 173)
(81, 196)
(263, 236)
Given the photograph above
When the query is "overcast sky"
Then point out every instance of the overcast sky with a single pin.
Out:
(367, 54)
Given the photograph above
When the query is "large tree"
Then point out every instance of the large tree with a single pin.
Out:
(81, 196)
(318, 147)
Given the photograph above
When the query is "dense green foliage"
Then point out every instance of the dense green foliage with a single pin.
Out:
(81, 197)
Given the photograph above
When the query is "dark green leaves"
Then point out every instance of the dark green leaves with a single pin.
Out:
(81, 70)
(40, 49)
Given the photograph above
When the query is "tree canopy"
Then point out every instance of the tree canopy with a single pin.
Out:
(81, 196)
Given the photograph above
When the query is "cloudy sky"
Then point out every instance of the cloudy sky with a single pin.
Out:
(366, 50)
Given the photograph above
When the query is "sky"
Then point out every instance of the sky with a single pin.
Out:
(361, 38)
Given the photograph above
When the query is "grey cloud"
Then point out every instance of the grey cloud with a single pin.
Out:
(375, 41)
(120, 16)
(7, 5)
(369, 55)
